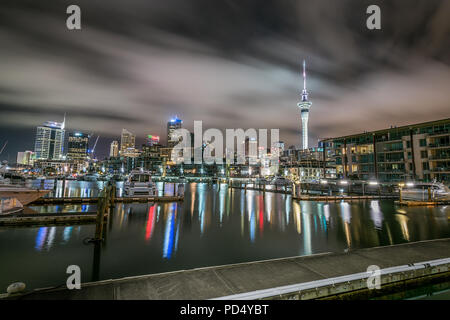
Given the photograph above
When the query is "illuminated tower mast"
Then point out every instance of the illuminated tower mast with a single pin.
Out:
(304, 106)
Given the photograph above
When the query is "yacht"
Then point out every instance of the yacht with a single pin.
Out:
(419, 191)
(91, 177)
(139, 183)
(10, 206)
(23, 194)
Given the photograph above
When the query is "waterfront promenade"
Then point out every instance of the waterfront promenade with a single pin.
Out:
(305, 277)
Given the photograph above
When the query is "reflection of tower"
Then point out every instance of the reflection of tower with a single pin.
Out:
(304, 106)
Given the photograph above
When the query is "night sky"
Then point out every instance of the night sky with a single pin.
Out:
(233, 64)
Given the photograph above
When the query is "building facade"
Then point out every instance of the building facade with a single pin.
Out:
(413, 152)
(25, 158)
(114, 149)
(127, 140)
(49, 142)
(77, 147)
(173, 125)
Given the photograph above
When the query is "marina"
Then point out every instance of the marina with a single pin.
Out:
(230, 225)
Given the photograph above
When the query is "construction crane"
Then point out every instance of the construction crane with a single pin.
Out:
(4, 146)
(95, 144)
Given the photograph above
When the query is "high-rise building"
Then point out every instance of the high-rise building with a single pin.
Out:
(304, 106)
(127, 140)
(173, 125)
(114, 149)
(49, 141)
(77, 148)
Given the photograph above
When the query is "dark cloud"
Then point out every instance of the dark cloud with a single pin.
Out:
(232, 63)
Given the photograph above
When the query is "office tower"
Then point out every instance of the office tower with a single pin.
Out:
(49, 142)
(114, 149)
(77, 148)
(304, 106)
(127, 141)
(173, 125)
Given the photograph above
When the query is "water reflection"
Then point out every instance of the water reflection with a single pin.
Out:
(213, 227)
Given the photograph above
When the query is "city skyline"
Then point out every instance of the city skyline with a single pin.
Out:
(140, 72)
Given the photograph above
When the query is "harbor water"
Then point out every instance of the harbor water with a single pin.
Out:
(210, 227)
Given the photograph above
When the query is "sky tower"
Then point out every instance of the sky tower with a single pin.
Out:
(304, 106)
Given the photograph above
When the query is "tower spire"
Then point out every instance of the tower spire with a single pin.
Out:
(304, 75)
(64, 122)
(304, 92)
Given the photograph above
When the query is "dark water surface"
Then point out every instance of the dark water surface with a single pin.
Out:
(210, 227)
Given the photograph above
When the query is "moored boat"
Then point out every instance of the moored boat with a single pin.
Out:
(140, 183)
(23, 194)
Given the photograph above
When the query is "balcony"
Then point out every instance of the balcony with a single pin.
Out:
(440, 158)
(439, 145)
(440, 170)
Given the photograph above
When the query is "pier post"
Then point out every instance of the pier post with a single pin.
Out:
(64, 187)
(113, 195)
(429, 194)
(400, 194)
(101, 208)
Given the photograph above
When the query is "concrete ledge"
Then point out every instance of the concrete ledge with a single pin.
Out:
(242, 278)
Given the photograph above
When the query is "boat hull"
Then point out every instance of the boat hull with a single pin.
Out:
(25, 196)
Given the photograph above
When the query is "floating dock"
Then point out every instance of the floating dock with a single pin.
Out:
(414, 203)
(342, 198)
(82, 200)
(340, 275)
(45, 219)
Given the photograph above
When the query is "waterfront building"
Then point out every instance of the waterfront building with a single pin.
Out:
(77, 148)
(25, 158)
(173, 125)
(305, 164)
(304, 106)
(49, 142)
(58, 167)
(412, 152)
(114, 149)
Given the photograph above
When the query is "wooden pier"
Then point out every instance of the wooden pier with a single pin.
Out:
(414, 203)
(49, 219)
(342, 198)
(84, 200)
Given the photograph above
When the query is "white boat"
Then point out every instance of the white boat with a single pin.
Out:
(90, 177)
(23, 194)
(10, 206)
(419, 191)
(139, 183)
